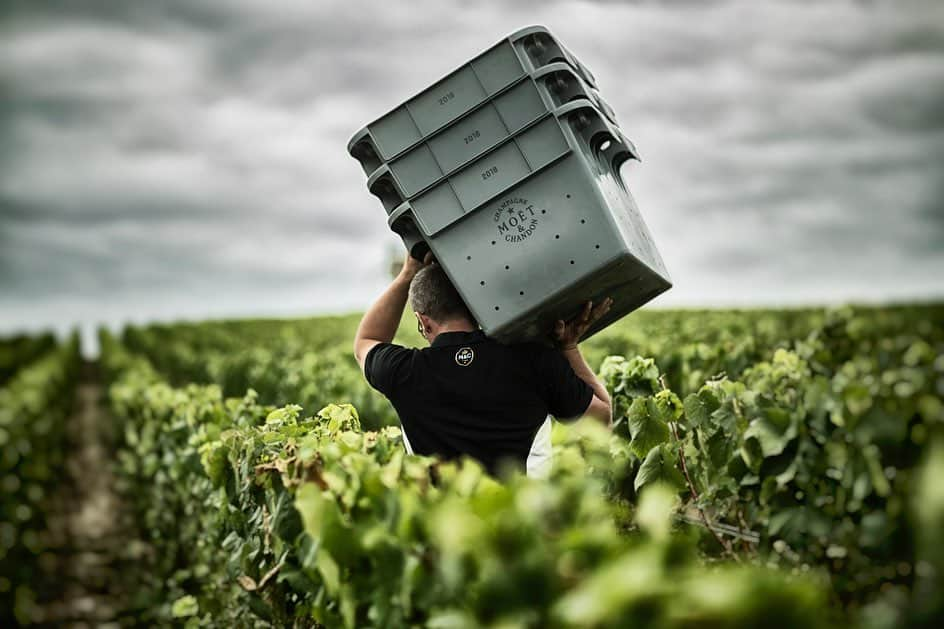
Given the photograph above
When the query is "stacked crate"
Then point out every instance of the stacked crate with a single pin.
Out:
(508, 169)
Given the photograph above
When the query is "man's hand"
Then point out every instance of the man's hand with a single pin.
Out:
(412, 266)
(567, 334)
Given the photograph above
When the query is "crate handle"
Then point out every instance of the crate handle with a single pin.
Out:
(622, 151)
(616, 151)
(564, 84)
(382, 185)
(567, 85)
(604, 139)
(401, 221)
(542, 48)
(554, 68)
(364, 151)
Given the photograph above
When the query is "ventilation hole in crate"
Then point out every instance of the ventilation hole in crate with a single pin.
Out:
(556, 236)
(482, 282)
(468, 257)
(571, 261)
(493, 242)
(597, 247)
(521, 292)
(583, 221)
(601, 141)
(497, 308)
(568, 196)
(543, 211)
(507, 267)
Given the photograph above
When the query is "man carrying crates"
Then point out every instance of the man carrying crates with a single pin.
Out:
(508, 169)
(467, 394)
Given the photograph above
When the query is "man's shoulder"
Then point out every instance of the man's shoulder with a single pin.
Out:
(389, 349)
(530, 349)
(385, 355)
(532, 346)
(386, 365)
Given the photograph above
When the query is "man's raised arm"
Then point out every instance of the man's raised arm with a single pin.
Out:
(568, 335)
(380, 322)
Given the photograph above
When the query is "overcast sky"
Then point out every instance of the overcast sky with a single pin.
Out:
(159, 160)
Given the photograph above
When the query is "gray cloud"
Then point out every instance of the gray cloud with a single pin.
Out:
(179, 159)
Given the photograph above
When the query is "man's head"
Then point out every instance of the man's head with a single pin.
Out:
(437, 304)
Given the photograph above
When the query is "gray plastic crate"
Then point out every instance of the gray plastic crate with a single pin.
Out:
(482, 78)
(447, 151)
(539, 225)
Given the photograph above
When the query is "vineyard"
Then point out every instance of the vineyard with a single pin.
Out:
(775, 468)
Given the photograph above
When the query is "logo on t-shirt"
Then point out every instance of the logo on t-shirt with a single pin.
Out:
(464, 357)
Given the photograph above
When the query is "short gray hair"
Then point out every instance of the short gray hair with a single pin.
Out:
(432, 294)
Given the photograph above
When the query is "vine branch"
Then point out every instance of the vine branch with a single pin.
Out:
(691, 487)
(742, 527)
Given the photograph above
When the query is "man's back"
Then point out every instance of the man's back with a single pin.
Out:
(468, 394)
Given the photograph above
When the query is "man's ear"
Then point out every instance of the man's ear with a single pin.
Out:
(424, 322)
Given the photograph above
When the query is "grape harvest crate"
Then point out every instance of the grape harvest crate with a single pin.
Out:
(482, 78)
(531, 217)
(451, 148)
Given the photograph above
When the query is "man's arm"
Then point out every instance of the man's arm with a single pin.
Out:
(600, 406)
(568, 335)
(380, 322)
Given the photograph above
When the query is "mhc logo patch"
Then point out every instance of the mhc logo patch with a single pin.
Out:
(464, 357)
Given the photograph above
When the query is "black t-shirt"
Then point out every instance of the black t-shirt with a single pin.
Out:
(468, 394)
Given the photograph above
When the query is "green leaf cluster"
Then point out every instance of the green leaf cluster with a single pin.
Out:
(815, 447)
(34, 404)
(805, 426)
(310, 521)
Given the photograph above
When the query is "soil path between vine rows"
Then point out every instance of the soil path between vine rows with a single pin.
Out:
(93, 543)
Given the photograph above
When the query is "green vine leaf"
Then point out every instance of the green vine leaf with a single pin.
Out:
(659, 467)
(647, 429)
